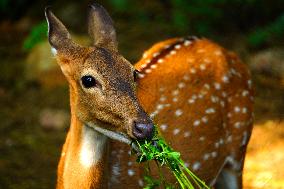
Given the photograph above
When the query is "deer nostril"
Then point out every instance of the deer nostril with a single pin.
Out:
(143, 131)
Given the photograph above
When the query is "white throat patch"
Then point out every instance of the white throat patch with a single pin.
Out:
(114, 135)
(92, 146)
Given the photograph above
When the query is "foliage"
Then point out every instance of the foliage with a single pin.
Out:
(209, 18)
(3, 4)
(273, 30)
(261, 21)
(159, 151)
(37, 34)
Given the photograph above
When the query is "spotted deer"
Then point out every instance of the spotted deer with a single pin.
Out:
(199, 94)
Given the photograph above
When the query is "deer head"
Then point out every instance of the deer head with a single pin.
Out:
(102, 82)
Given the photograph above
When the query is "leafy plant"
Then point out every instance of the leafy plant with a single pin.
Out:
(37, 34)
(272, 30)
(3, 4)
(158, 150)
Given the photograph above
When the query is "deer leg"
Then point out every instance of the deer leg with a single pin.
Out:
(231, 175)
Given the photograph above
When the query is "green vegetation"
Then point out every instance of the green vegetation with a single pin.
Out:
(158, 150)
(259, 21)
(37, 34)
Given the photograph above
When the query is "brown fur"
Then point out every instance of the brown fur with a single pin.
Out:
(171, 73)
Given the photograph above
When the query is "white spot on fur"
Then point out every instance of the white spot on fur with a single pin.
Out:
(145, 55)
(147, 62)
(214, 99)
(153, 66)
(186, 77)
(207, 86)
(200, 96)
(230, 138)
(141, 75)
(130, 172)
(163, 98)
(160, 61)
(191, 101)
(194, 97)
(181, 85)
(163, 127)
(159, 106)
(196, 165)
(115, 173)
(178, 112)
(204, 119)
(175, 92)
(218, 53)
(173, 52)
(237, 109)
(237, 125)
(225, 79)
(217, 86)
(216, 144)
(156, 54)
(144, 66)
(162, 89)
(186, 134)
(214, 154)
(177, 46)
(196, 123)
(176, 131)
(148, 71)
(229, 115)
(187, 42)
(249, 83)
(140, 182)
(206, 156)
(192, 70)
(202, 67)
(210, 111)
(245, 93)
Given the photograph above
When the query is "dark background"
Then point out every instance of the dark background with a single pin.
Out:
(34, 99)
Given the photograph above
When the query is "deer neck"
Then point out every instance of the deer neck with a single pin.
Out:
(86, 154)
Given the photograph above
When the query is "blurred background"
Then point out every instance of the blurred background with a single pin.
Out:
(34, 99)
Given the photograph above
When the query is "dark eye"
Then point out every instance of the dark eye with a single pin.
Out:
(88, 81)
(136, 75)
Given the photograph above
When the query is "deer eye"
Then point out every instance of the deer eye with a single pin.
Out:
(89, 81)
(136, 75)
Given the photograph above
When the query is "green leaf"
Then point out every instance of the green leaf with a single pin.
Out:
(37, 34)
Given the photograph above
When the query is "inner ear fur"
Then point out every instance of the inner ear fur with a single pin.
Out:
(101, 29)
(59, 37)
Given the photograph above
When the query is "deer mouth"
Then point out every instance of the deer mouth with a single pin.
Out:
(118, 136)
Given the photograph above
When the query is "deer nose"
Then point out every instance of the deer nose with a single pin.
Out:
(143, 131)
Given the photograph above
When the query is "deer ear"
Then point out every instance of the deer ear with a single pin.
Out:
(101, 28)
(59, 37)
(57, 32)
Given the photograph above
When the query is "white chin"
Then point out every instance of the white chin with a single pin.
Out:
(114, 135)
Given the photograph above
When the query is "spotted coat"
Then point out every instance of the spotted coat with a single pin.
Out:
(201, 98)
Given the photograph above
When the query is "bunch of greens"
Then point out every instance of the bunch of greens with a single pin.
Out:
(158, 150)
